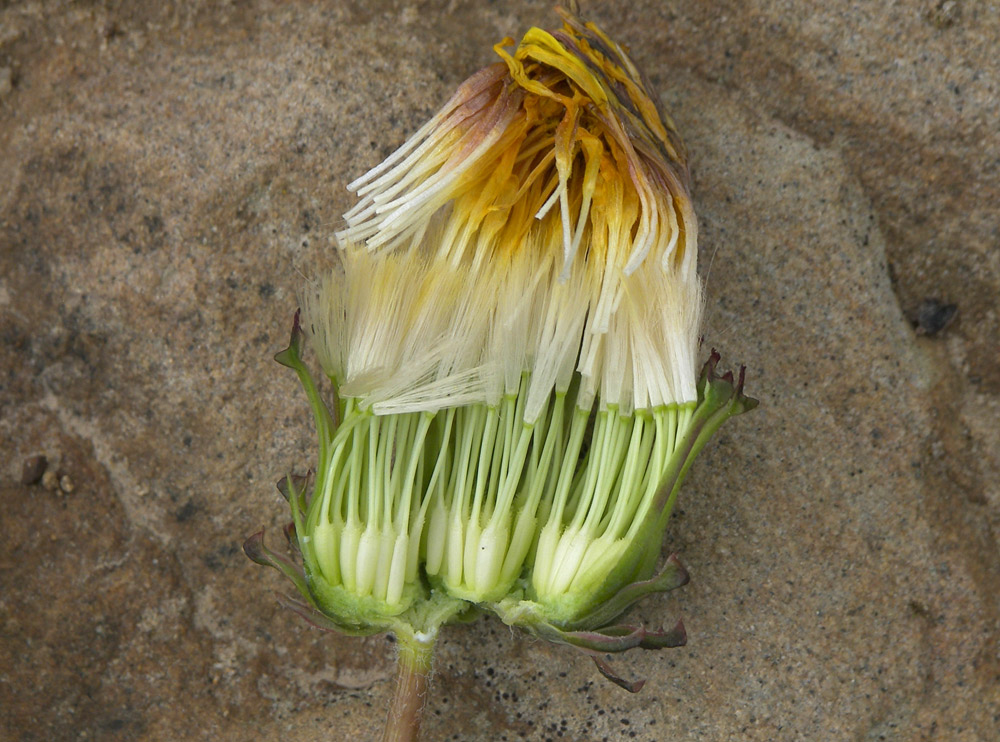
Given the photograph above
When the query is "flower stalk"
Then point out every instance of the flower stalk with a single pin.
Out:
(413, 670)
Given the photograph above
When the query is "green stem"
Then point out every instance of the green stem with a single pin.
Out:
(412, 672)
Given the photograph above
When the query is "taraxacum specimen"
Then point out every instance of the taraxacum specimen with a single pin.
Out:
(511, 334)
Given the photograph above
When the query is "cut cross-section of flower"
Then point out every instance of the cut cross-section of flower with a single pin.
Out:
(517, 290)
(511, 330)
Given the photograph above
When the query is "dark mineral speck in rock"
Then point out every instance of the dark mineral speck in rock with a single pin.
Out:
(33, 468)
(187, 511)
(933, 316)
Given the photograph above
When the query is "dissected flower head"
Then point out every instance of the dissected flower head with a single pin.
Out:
(511, 328)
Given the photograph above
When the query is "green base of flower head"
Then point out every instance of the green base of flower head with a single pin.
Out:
(415, 519)
(618, 571)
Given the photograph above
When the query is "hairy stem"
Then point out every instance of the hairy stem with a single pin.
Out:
(412, 673)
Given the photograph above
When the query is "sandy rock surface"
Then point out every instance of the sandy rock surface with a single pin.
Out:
(170, 171)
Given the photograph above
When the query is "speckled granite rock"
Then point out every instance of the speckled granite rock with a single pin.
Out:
(167, 173)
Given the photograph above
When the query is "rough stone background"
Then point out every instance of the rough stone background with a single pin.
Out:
(168, 169)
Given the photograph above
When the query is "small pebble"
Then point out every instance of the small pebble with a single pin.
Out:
(933, 316)
(66, 484)
(33, 469)
(50, 481)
